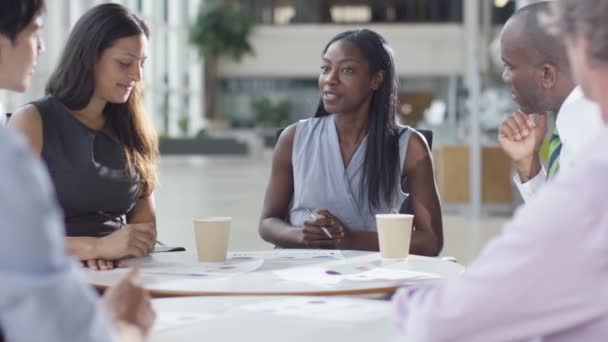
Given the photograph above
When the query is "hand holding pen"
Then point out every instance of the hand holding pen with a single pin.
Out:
(131, 240)
(322, 230)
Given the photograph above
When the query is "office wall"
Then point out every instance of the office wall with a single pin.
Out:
(294, 50)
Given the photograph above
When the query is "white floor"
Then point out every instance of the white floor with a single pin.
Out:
(195, 187)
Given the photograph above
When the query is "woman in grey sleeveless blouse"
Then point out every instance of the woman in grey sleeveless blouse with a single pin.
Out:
(93, 134)
(332, 173)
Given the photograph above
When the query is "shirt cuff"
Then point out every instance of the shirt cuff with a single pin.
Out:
(402, 300)
(529, 188)
(401, 307)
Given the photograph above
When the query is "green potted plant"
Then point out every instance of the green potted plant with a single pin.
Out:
(270, 116)
(221, 29)
(184, 124)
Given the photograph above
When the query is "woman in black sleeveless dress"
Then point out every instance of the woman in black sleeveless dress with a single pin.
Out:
(96, 140)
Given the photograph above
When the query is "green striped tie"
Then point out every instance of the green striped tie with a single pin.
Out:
(555, 147)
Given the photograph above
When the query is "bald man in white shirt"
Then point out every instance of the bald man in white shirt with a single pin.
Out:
(544, 278)
(537, 68)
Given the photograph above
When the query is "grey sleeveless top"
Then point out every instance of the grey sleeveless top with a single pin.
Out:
(321, 180)
(88, 170)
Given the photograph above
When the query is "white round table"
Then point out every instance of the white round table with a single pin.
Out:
(270, 319)
(266, 279)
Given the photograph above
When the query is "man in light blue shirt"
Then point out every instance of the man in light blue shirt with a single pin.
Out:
(43, 295)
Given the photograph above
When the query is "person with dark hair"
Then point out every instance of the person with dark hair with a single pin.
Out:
(332, 173)
(96, 140)
(20, 17)
(544, 278)
(44, 295)
(537, 68)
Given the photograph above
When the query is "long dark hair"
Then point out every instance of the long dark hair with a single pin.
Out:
(73, 84)
(381, 163)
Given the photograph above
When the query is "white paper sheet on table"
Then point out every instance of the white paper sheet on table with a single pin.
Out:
(170, 320)
(390, 274)
(289, 254)
(332, 274)
(227, 268)
(327, 309)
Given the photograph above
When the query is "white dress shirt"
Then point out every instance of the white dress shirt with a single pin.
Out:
(578, 122)
(43, 295)
(542, 279)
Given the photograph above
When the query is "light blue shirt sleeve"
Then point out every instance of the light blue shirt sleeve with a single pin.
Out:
(44, 296)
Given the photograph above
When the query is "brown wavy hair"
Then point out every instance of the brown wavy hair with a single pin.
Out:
(73, 84)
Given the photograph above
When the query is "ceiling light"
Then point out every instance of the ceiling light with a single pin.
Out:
(500, 3)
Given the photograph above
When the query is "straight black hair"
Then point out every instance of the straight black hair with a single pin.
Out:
(381, 164)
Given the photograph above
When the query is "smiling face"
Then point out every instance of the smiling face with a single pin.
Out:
(120, 68)
(18, 58)
(346, 81)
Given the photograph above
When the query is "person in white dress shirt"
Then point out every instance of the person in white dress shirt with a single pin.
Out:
(544, 278)
(44, 296)
(537, 68)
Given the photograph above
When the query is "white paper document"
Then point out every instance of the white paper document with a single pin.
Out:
(327, 309)
(170, 320)
(289, 254)
(226, 268)
(331, 274)
(390, 274)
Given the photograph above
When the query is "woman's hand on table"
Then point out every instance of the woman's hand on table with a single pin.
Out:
(101, 264)
(133, 240)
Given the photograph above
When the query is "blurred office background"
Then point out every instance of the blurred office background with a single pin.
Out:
(216, 116)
